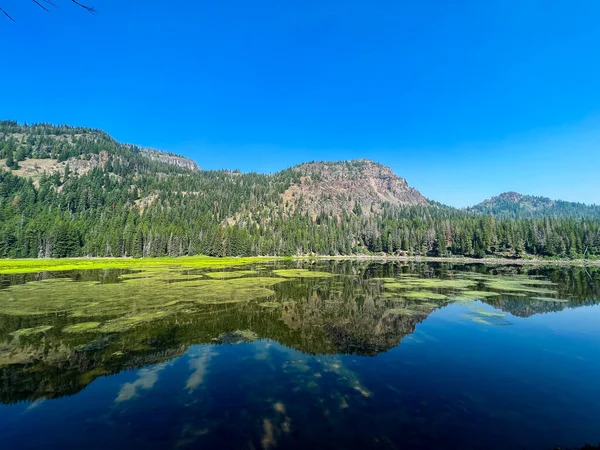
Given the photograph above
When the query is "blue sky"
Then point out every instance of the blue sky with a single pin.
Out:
(465, 99)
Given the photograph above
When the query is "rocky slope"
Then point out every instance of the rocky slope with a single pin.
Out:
(360, 186)
(171, 159)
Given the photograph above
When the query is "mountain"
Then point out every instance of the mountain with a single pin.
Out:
(73, 191)
(515, 205)
(331, 188)
(34, 150)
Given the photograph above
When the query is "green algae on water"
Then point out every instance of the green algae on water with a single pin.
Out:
(426, 305)
(26, 332)
(83, 327)
(402, 312)
(424, 295)
(519, 286)
(429, 283)
(90, 299)
(229, 275)
(128, 322)
(468, 296)
(301, 273)
(270, 304)
(489, 313)
(182, 262)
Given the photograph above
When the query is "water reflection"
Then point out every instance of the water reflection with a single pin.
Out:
(351, 313)
(357, 357)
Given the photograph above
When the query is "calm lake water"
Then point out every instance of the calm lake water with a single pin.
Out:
(289, 355)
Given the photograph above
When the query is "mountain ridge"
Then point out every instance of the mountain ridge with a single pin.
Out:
(72, 191)
(514, 204)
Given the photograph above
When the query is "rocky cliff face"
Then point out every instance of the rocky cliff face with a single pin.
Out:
(170, 158)
(359, 186)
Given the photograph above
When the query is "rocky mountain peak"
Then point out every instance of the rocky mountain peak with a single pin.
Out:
(360, 186)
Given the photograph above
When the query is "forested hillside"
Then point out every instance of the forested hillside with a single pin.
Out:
(515, 205)
(68, 191)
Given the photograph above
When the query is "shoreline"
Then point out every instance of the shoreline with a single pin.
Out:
(460, 260)
(15, 266)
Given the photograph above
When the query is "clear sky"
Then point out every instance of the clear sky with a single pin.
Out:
(465, 99)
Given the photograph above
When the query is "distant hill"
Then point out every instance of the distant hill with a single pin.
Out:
(515, 205)
(46, 149)
(73, 191)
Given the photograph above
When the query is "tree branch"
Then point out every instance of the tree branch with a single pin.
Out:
(89, 9)
(7, 15)
(41, 6)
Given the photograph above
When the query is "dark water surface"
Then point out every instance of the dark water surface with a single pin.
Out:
(372, 356)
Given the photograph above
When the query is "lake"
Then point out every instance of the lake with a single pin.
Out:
(288, 354)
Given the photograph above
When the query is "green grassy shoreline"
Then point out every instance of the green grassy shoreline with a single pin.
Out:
(15, 266)
(9, 266)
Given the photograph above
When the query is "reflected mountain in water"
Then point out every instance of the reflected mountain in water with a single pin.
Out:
(350, 313)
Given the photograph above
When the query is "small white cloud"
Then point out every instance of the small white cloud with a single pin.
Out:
(200, 366)
(147, 378)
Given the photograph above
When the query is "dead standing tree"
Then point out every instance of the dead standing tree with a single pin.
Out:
(42, 4)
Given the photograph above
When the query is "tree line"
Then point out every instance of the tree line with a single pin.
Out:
(130, 205)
